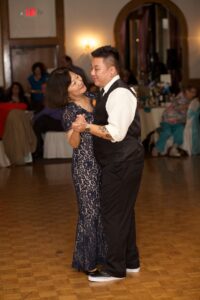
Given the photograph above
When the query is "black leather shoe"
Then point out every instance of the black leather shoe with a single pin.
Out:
(91, 272)
(102, 276)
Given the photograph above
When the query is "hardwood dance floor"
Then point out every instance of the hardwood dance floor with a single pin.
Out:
(37, 226)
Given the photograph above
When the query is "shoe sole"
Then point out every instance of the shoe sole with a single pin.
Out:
(133, 270)
(103, 279)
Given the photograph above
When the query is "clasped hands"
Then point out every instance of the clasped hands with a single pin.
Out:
(80, 123)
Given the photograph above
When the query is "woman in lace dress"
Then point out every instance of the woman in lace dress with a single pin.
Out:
(66, 88)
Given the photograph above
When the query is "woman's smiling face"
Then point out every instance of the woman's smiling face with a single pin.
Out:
(76, 87)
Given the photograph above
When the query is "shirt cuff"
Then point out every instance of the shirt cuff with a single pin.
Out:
(114, 133)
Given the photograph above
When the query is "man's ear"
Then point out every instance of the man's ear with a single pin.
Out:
(113, 71)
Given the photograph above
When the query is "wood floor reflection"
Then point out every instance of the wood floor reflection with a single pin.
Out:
(37, 225)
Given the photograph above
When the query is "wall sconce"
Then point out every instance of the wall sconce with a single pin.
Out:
(88, 44)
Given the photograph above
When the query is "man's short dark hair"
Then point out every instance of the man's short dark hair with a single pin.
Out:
(109, 53)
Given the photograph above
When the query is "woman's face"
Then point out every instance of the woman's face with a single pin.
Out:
(190, 94)
(15, 89)
(37, 71)
(76, 87)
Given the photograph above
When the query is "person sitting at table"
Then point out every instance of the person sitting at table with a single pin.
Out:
(48, 119)
(13, 98)
(191, 136)
(16, 94)
(173, 123)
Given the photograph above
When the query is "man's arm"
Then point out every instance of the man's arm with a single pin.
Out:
(81, 125)
(99, 131)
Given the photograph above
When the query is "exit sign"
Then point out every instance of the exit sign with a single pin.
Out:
(31, 12)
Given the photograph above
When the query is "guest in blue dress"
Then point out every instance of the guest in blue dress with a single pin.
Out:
(66, 88)
(37, 79)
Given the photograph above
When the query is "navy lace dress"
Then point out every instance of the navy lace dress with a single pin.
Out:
(89, 249)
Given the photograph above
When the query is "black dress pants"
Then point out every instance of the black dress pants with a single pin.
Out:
(120, 185)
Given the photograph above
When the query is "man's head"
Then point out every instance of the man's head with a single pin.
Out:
(105, 65)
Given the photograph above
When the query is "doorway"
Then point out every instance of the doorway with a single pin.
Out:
(27, 56)
(148, 31)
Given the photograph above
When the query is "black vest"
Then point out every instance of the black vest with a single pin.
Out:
(130, 147)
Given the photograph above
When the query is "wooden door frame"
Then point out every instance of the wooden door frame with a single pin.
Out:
(175, 10)
(8, 43)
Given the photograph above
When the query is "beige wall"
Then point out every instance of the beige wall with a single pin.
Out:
(97, 18)
(89, 18)
(191, 10)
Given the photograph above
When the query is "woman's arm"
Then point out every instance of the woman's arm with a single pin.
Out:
(73, 138)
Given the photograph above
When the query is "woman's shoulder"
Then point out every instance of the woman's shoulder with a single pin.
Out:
(70, 110)
(71, 106)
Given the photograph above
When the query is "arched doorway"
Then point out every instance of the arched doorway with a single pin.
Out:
(138, 52)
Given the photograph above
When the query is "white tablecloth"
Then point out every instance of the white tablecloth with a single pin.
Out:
(150, 120)
(56, 145)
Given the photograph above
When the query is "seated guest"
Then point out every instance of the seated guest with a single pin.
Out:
(14, 98)
(48, 119)
(173, 123)
(191, 136)
(15, 94)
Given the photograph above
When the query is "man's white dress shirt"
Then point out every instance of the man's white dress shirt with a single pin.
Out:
(120, 106)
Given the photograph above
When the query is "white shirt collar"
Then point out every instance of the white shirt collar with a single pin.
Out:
(108, 85)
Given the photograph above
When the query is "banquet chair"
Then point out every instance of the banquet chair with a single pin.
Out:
(19, 139)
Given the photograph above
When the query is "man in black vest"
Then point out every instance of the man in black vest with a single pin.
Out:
(119, 151)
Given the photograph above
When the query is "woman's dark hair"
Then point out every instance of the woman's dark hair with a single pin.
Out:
(57, 87)
(21, 92)
(39, 65)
